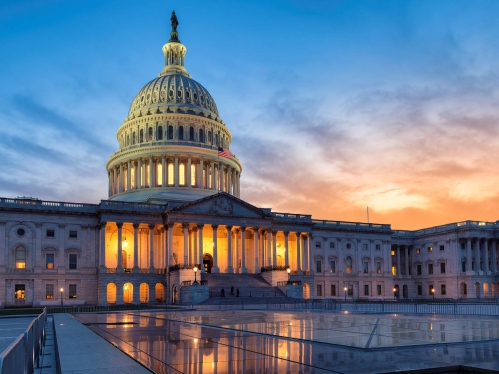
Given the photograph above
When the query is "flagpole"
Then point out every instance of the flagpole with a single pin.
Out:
(218, 167)
(368, 214)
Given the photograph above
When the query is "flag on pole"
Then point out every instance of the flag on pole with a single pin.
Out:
(224, 152)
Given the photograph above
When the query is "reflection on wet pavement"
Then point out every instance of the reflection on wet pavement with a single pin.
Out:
(297, 342)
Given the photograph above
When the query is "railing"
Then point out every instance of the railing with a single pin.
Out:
(15, 270)
(293, 217)
(144, 271)
(203, 283)
(101, 308)
(270, 304)
(186, 283)
(272, 268)
(447, 227)
(288, 283)
(41, 204)
(111, 270)
(160, 271)
(352, 225)
(183, 267)
(123, 205)
(20, 356)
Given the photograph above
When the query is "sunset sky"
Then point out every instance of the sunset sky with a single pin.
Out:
(333, 105)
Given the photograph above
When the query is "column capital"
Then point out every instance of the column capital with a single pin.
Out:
(229, 227)
(200, 226)
(62, 225)
(151, 226)
(102, 224)
(135, 225)
(170, 224)
(214, 226)
(256, 229)
(119, 224)
(185, 225)
(243, 228)
(274, 232)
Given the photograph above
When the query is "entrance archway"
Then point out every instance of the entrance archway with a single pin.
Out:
(464, 290)
(111, 293)
(477, 290)
(144, 293)
(306, 291)
(128, 293)
(207, 262)
(159, 292)
(174, 294)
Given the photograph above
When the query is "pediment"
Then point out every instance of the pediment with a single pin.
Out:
(221, 204)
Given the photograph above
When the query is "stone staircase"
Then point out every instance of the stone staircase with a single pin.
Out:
(252, 288)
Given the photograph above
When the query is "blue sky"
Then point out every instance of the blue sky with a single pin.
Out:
(391, 104)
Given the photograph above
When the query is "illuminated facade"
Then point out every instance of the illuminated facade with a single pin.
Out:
(174, 203)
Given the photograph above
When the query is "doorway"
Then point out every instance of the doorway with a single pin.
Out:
(207, 262)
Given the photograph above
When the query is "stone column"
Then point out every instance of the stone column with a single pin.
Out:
(188, 172)
(114, 181)
(195, 248)
(494, 256)
(61, 251)
(244, 270)
(138, 173)
(213, 187)
(477, 255)
(298, 251)
(256, 249)
(119, 265)
(269, 248)
(235, 256)
(406, 260)
(163, 171)
(238, 185)
(129, 175)
(170, 243)
(175, 171)
(199, 176)
(152, 270)
(397, 255)
(135, 247)
(120, 183)
(286, 249)
(220, 176)
(134, 166)
(306, 250)
(200, 248)
(215, 269)
(185, 227)
(468, 256)
(486, 256)
(38, 246)
(102, 257)
(230, 268)
(274, 247)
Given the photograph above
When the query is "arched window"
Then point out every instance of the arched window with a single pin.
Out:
(181, 133)
(201, 135)
(20, 257)
(348, 264)
(191, 134)
(150, 134)
(193, 175)
(128, 140)
(141, 136)
(134, 138)
(210, 139)
(159, 173)
(171, 176)
(181, 174)
(160, 133)
(170, 132)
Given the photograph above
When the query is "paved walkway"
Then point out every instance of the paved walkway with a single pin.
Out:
(82, 351)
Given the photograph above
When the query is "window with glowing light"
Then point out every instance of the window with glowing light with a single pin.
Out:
(394, 270)
(20, 257)
(181, 174)
(348, 264)
(171, 176)
(132, 177)
(49, 291)
(393, 252)
(147, 175)
(49, 261)
(332, 266)
(430, 249)
(378, 267)
(19, 291)
(193, 175)
(204, 178)
(159, 174)
(125, 180)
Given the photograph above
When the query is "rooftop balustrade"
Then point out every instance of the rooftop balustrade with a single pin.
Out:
(36, 204)
(351, 225)
(446, 227)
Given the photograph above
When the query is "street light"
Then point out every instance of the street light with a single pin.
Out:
(433, 293)
(394, 293)
(62, 293)
(195, 272)
(345, 289)
(289, 274)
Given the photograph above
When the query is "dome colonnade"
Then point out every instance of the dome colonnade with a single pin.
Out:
(170, 141)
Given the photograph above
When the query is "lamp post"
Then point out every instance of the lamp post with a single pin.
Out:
(394, 293)
(433, 293)
(62, 294)
(195, 273)
(345, 289)
(289, 275)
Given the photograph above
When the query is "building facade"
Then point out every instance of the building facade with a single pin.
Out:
(174, 204)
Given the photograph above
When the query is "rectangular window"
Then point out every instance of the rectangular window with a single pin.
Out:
(193, 175)
(366, 290)
(50, 233)
(332, 265)
(73, 261)
(20, 258)
(418, 251)
(350, 290)
(72, 291)
(463, 266)
(393, 252)
(73, 234)
(171, 176)
(442, 268)
(364, 246)
(159, 173)
(317, 244)
(430, 268)
(443, 291)
(49, 261)
(319, 290)
(420, 290)
(333, 290)
(49, 291)
(394, 270)
(418, 269)
(378, 267)
(378, 247)
(19, 291)
(378, 289)
(366, 267)
(331, 245)
(430, 249)
(442, 248)
(319, 266)
(132, 177)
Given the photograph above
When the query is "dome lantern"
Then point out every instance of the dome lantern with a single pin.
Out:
(174, 52)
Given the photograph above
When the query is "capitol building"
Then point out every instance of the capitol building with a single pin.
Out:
(174, 207)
